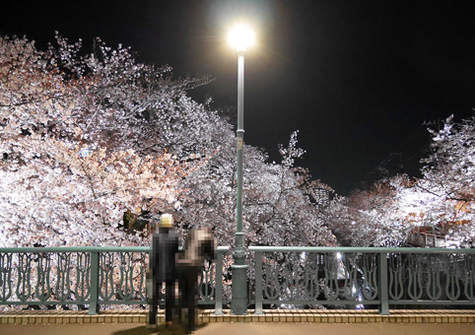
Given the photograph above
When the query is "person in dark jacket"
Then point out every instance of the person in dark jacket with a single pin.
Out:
(200, 244)
(163, 263)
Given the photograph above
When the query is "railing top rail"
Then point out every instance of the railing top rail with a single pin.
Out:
(74, 249)
(251, 248)
(86, 249)
(361, 250)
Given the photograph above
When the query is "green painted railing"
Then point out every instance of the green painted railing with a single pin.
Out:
(380, 277)
(277, 276)
(91, 276)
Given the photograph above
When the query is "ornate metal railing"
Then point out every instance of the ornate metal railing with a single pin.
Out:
(91, 276)
(380, 277)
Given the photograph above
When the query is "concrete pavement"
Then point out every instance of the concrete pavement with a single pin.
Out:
(268, 316)
(228, 328)
(272, 322)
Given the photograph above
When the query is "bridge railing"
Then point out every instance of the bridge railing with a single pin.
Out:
(379, 277)
(92, 276)
(279, 276)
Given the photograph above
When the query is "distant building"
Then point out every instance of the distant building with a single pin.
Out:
(427, 236)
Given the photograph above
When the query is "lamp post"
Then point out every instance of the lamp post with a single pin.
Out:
(240, 37)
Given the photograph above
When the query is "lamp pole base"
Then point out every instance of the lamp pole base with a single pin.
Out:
(239, 298)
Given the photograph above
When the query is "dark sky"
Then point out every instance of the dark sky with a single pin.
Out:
(357, 78)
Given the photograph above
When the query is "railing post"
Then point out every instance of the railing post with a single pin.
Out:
(239, 272)
(94, 299)
(383, 283)
(258, 272)
(218, 308)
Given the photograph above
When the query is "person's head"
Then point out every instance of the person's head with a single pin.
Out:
(166, 221)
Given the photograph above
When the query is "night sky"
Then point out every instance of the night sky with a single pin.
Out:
(357, 78)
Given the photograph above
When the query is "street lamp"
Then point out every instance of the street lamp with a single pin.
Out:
(240, 37)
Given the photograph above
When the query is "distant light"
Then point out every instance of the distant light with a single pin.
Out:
(84, 152)
(241, 37)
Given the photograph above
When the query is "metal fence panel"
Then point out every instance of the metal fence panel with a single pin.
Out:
(92, 276)
(348, 277)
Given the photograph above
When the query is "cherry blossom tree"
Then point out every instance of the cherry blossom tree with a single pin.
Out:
(370, 217)
(442, 199)
(86, 138)
(55, 197)
(279, 200)
(70, 167)
(449, 178)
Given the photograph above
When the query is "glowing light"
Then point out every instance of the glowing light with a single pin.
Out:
(241, 37)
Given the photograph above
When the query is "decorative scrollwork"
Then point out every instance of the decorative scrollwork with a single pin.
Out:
(271, 278)
(452, 285)
(63, 283)
(312, 289)
(370, 276)
(331, 266)
(207, 284)
(106, 276)
(350, 287)
(141, 276)
(43, 271)
(126, 280)
(415, 286)
(23, 287)
(469, 287)
(5, 276)
(434, 287)
(290, 278)
(396, 276)
(83, 276)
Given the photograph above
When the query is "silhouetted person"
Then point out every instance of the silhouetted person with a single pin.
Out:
(163, 264)
(199, 245)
